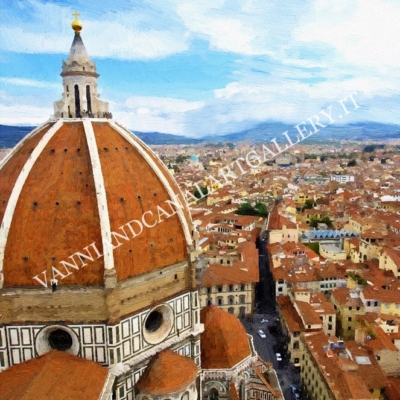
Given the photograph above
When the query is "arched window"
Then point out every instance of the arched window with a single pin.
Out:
(77, 103)
(88, 98)
(242, 391)
(185, 396)
(213, 394)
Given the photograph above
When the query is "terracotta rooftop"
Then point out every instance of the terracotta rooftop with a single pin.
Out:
(277, 221)
(307, 313)
(343, 297)
(245, 271)
(167, 373)
(54, 376)
(289, 314)
(347, 378)
(383, 295)
(224, 342)
(393, 388)
(233, 392)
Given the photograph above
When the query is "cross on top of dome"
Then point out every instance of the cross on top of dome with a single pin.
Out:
(76, 24)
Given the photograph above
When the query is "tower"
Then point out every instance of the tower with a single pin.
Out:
(80, 97)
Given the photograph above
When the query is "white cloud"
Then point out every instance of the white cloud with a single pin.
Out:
(24, 114)
(149, 113)
(292, 61)
(29, 82)
(162, 104)
(247, 27)
(131, 35)
(365, 33)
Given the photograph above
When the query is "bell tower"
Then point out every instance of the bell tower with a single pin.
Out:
(80, 97)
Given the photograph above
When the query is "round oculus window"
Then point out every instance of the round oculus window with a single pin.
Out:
(154, 321)
(158, 324)
(57, 337)
(60, 339)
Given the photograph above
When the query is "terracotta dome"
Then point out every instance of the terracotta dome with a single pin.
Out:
(167, 373)
(69, 185)
(224, 342)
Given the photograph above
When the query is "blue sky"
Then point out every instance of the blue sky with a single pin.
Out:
(206, 67)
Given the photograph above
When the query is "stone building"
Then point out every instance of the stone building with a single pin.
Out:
(98, 290)
(232, 287)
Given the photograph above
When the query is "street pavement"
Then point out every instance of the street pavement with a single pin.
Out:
(287, 372)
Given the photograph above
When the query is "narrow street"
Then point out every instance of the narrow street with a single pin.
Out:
(287, 372)
(265, 309)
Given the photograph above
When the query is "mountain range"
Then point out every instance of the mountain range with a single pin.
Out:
(11, 135)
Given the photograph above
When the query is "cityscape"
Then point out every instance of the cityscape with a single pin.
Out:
(260, 264)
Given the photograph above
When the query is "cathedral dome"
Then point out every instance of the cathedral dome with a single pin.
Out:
(224, 342)
(167, 373)
(82, 197)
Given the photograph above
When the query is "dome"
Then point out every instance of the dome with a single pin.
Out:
(224, 342)
(194, 158)
(86, 196)
(167, 373)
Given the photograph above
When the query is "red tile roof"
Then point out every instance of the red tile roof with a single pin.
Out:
(167, 372)
(245, 271)
(224, 342)
(53, 376)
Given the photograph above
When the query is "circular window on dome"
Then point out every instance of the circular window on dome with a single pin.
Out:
(154, 321)
(158, 324)
(60, 340)
(57, 337)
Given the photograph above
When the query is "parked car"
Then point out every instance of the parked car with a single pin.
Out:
(264, 320)
(278, 356)
(261, 334)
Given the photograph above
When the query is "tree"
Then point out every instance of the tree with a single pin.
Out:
(181, 159)
(327, 221)
(352, 163)
(204, 192)
(357, 278)
(324, 220)
(259, 210)
(246, 209)
(308, 204)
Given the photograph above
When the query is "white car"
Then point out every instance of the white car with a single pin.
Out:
(261, 334)
(278, 356)
(264, 320)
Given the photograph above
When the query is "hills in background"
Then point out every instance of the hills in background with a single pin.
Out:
(11, 135)
(354, 132)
